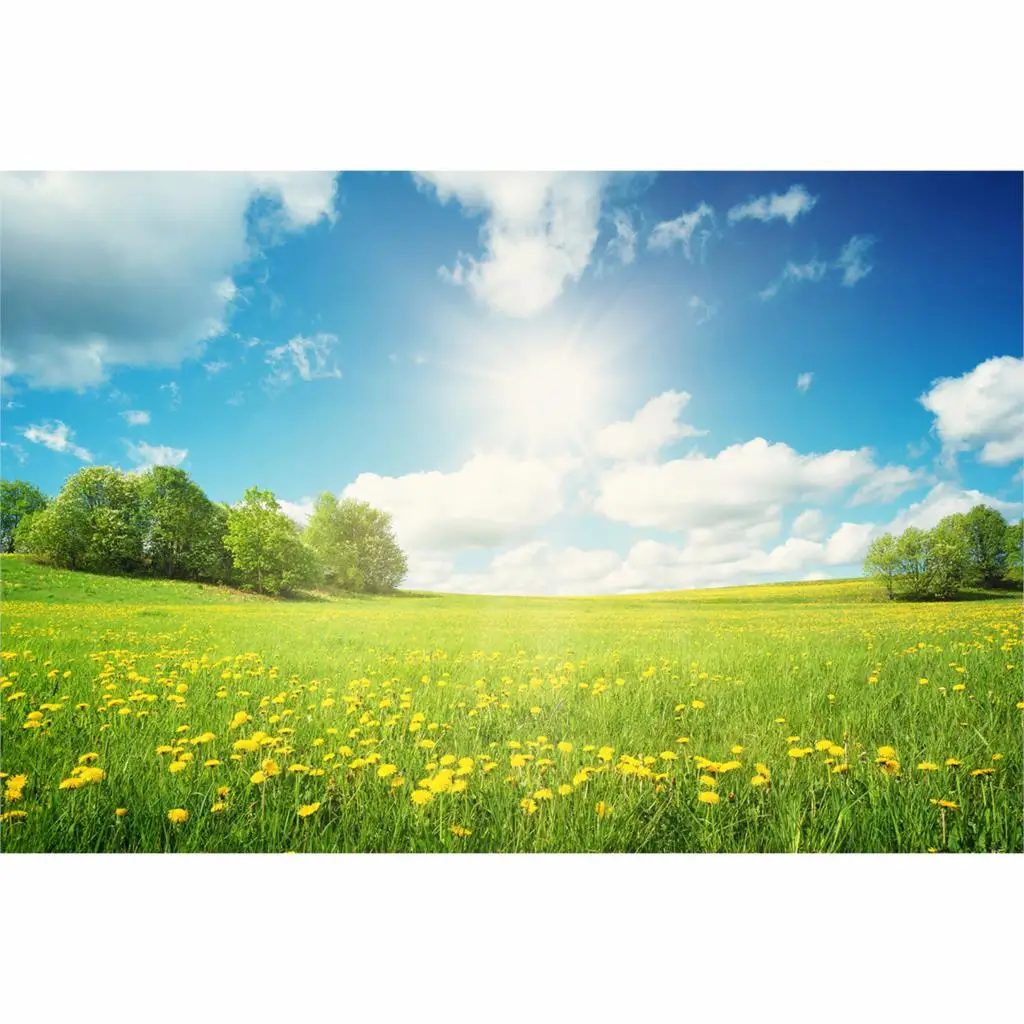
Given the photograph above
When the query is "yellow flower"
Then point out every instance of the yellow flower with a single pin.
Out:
(258, 778)
(696, 704)
(888, 765)
(822, 745)
(121, 811)
(798, 752)
(458, 830)
(219, 807)
(564, 790)
(543, 794)
(10, 817)
(840, 769)
(983, 771)
(270, 768)
(240, 719)
(736, 749)
(760, 780)
(73, 783)
(177, 816)
(605, 754)
(458, 786)
(927, 766)
(517, 760)
(997, 757)
(602, 809)
(529, 805)
(923, 681)
(887, 752)
(384, 770)
(959, 687)
(447, 760)
(949, 804)
(708, 780)
(89, 758)
(421, 797)
(212, 763)
(177, 766)
(669, 755)
(952, 762)
(246, 746)
(307, 809)
(707, 797)
(565, 747)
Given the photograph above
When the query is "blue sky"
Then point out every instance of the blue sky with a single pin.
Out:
(557, 383)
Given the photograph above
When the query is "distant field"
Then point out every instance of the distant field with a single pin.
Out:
(796, 717)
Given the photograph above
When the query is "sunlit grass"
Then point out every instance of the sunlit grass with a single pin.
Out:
(524, 725)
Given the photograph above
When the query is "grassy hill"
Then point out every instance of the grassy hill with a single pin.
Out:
(788, 716)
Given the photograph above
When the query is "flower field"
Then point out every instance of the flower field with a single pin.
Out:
(153, 716)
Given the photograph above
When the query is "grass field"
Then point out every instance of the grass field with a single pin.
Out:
(797, 717)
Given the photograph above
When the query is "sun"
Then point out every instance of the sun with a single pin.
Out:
(546, 394)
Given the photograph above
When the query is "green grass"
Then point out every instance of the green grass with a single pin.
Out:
(483, 673)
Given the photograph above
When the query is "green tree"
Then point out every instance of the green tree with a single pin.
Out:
(268, 555)
(947, 557)
(94, 523)
(17, 499)
(883, 563)
(182, 532)
(912, 550)
(356, 545)
(986, 538)
(1015, 550)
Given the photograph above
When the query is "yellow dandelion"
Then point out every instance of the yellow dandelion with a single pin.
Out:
(307, 809)
(707, 797)
(420, 797)
(177, 816)
(459, 831)
(602, 810)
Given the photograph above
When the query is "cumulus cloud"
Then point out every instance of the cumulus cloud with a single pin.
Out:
(493, 499)
(809, 525)
(297, 511)
(654, 426)
(58, 437)
(803, 382)
(888, 483)
(145, 455)
(106, 269)
(946, 499)
(813, 270)
(538, 234)
(788, 206)
(983, 409)
(739, 485)
(305, 358)
(135, 417)
(853, 259)
(683, 230)
(623, 246)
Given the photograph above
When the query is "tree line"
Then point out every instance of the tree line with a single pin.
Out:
(969, 549)
(161, 523)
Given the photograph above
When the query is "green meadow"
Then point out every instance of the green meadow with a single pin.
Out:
(148, 715)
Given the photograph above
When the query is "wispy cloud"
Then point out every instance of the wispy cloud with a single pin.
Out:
(813, 270)
(853, 259)
(683, 230)
(175, 393)
(774, 207)
(16, 450)
(58, 437)
(705, 311)
(623, 246)
(148, 455)
(215, 367)
(803, 382)
(135, 417)
(301, 357)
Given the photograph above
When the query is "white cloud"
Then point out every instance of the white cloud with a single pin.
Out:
(148, 455)
(135, 417)
(56, 436)
(215, 366)
(887, 484)
(809, 525)
(849, 544)
(308, 358)
(946, 499)
(297, 511)
(706, 311)
(853, 259)
(682, 230)
(982, 409)
(174, 391)
(538, 234)
(803, 382)
(788, 206)
(738, 485)
(813, 270)
(654, 426)
(132, 269)
(623, 246)
(491, 500)
(16, 450)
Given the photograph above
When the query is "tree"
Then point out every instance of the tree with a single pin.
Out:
(17, 499)
(912, 550)
(182, 532)
(356, 545)
(882, 562)
(1015, 550)
(93, 524)
(268, 555)
(986, 538)
(947, 557)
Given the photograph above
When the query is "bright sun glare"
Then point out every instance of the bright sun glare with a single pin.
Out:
(547, 395)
